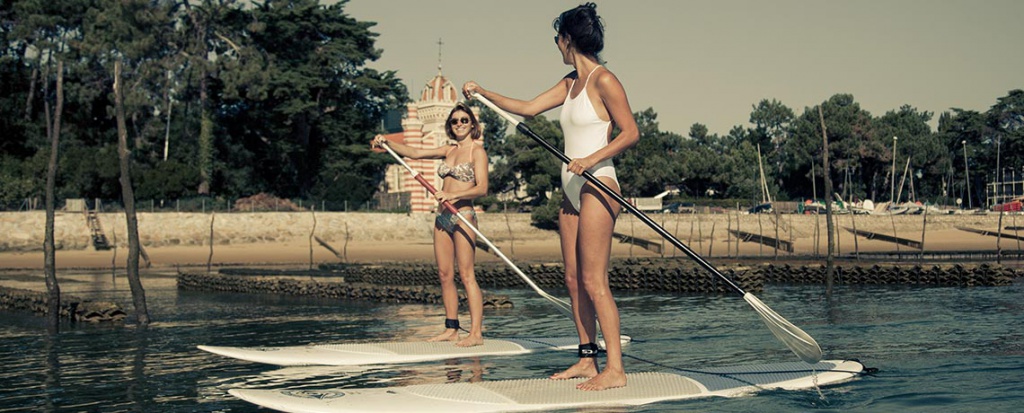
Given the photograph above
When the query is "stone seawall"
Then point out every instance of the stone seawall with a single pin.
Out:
(23, 231)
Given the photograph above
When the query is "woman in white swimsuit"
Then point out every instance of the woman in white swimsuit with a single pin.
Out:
(464, 170)
(592, 100)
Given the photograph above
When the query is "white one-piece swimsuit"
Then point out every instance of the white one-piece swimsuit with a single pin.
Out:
(585, 133)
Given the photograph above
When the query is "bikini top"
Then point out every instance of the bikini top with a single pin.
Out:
(461, 172)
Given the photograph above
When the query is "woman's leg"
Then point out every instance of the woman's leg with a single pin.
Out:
(582, 308)
(444, 252)
(465, 253)
(594, 242)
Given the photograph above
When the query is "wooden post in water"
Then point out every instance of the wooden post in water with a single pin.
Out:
(892, 219)
(999, 238)
(711, 245)
(312, 231)
(209, 258)
(631, 234)
(511, 235)
(737, 229)
(700, 236)
(663, 238)
(856, 245)
(924, 227)
(1015, 234)
(728, 235)
(839, 240)
(791, 233)
(777, 239)
(344, 249)
(676, 234)
(760, 232)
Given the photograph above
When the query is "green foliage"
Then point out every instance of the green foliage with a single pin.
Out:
(537, 168)
(545, 216)
(276, 97)
(653, 164)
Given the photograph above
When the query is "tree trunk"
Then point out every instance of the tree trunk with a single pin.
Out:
(205, 140)
(128, 196)
(49, 249)
(31, 93)
(830, 229)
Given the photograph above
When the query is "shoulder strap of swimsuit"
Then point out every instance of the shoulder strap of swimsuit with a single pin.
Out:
(585, 82)
(452, 148)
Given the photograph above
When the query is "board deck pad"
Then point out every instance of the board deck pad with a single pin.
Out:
(546, 394)
(391, 352)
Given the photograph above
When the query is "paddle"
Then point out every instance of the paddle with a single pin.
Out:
(562, 306)
(802, 344)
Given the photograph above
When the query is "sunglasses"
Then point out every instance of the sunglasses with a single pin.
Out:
(456, 121)
(556, 39)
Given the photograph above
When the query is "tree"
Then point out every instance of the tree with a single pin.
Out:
(48, 29)
(315, 97)
(539, 170)
(929, 159)
(503, 178)
(853, 144)
(129, 35)
(49, 249)
(772, 125)
(650, 166)
(962, 133)
(1006, 122)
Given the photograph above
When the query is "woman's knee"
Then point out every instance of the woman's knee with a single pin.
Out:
(595, 285)
(446, 275)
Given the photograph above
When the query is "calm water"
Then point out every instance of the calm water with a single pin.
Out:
(938, 349)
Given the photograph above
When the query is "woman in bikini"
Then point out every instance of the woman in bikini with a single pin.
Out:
(592, 100)
(464, 170)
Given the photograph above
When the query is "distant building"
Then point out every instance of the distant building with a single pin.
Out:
(423, 127)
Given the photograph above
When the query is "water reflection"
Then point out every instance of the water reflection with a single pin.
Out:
(938, 348)
(52, 382)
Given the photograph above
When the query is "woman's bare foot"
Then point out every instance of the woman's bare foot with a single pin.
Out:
(586, 367)
(471, 340)
(608, 379)
(450, 334)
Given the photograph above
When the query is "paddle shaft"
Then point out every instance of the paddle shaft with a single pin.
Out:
(562, 305)
(521, 127)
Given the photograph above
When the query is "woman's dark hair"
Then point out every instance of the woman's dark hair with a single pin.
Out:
(476, 133)
(584, 28)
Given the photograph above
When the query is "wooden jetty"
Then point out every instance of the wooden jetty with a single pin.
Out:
(653, 246)
(762, 239)
(990, 233)
(887, 238)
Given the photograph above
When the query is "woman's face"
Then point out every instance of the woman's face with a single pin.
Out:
(461, 124)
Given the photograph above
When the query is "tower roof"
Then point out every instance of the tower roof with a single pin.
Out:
(439, 89)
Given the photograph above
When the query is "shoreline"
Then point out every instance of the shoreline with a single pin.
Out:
(173, 240)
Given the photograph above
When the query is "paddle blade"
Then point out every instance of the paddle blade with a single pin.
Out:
(802, 344)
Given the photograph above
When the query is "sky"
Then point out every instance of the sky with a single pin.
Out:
(711, 61)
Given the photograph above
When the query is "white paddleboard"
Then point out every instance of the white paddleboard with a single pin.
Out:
(392, 352)
(546, 394)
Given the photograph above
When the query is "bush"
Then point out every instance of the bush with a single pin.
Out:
(545, 216)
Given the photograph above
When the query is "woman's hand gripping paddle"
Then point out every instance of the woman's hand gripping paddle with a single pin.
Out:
(802, 344)
(562, 306)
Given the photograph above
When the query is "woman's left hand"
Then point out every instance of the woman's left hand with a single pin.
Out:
(441, 197)
(578, 165)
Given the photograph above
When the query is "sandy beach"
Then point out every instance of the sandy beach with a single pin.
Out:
(517, 239)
